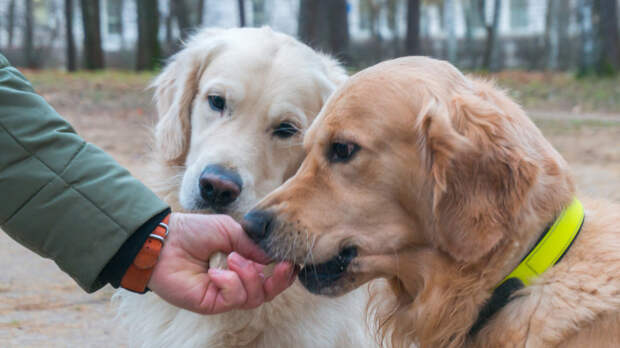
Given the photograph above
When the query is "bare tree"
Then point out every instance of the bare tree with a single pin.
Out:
(587, 61)
(551, 34)
(412, 40)
(609, 57)
(449, 10)
(473, 21)
(121, 22)
(29, 37)
(241, 5)
(258, 13)
(148, 44)
(324, 24)
(93, 52)
(179, 9)
(491, 29)
(391, 7)
(169, 20)
(339, 28)
(308, 21)
(11, 22)
(201, 10)
(70, 40)
(371, 12)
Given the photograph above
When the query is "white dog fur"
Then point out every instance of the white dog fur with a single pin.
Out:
(266, 78)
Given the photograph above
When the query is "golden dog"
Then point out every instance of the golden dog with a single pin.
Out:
(233, 105)
(441, 184)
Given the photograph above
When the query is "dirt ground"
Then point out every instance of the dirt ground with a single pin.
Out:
(41, 306)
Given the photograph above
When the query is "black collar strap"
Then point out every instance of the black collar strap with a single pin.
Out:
(548, 250)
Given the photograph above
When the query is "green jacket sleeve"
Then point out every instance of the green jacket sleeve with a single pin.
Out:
(60, 196)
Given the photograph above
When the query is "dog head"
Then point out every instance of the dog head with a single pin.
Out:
(233, 105)
(410, 165)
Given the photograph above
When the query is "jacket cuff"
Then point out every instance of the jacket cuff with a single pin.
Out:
(115, 269)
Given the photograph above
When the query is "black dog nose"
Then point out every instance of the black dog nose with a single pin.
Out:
(257, 224)
(219, 186)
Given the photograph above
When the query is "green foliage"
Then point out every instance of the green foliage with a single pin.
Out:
(562, 91)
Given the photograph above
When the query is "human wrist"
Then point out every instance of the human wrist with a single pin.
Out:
(118, 264)
(141, 269)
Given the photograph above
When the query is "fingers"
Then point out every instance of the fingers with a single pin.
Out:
(237, 240)
(181, 276)
(229, 293)
(251, 278)
(283, 276)
(243, 286)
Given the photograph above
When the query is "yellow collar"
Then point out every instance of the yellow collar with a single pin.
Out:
(552, 245)
(547, 251)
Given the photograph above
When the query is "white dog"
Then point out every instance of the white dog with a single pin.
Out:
(232, 106)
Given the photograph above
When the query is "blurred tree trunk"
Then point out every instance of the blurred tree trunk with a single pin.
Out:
(258, 13)
(609, 58)
(412, 41)
(339, 28)
(169, 40)
(201, 10)
(28, 37)
(241, 5)
(371, 10)
(392, 13)
(70, 40)
(324, 25)
(308, 22)
(491, 29)
(557, 39)
(551, 34)
(148, 44)
(563, 24)
(468, 16)
(179, 10)
(121, 23)
(93, 52)
(584, 16)
(11, 22)
(450, 28)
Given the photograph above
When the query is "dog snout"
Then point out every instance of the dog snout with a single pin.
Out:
(219, 186)
(257, 224)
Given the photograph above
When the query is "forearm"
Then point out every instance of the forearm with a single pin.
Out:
(62, 197)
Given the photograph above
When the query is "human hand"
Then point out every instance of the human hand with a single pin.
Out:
(182, 276)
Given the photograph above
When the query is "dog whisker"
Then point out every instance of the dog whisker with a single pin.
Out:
(316, 274)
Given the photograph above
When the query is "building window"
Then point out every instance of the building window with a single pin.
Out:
(518, 14)
(115, 16)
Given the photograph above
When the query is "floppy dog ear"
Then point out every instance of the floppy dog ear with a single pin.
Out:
(335, 75)
(175, 89)
(334, 69)
(480, 176)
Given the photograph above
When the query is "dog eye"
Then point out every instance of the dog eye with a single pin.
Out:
(285, 130)
(216, 103)
(342, 152)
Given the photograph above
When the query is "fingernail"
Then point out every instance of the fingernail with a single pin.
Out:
(237, 260)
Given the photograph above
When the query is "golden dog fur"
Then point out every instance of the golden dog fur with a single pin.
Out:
(450, 188)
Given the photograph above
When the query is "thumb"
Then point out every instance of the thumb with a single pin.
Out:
(233, 238)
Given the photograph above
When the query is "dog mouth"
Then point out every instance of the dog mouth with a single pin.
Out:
(316, 278)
